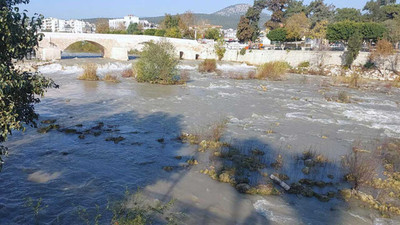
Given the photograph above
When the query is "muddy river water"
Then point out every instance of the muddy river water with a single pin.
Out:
(284, 118)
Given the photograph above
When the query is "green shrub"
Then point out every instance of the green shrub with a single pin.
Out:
(173, 33)
(353, 48)
(243, 51)
(208, 66)
(219, 49)
(272, 70)
(160, 33)
(89, 73)
(369, 65)
(157, 64)
(304, 64)
(150, 32)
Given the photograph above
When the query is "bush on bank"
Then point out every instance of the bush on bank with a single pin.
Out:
(272, 70)
(157, 64)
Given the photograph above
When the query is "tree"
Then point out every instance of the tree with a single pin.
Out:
(353, 48)
(20, 91)
(102, 26)
(278, 34)
(173, 32)
(392, 31)
(371, 31)
(276, 7)
(185, 22)
(157, 64)
(220, 49)
(132, 28)
(170, 21)
(318, 11)
(253, 15)
(341, 31)
(213, 33)
(374, 12)
(382, 54)
(350, 14)
(319, 30)
(297, 26)
(244, 30)
(294, 7)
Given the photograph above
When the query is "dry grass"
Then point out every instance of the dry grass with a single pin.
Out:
(208, 66)
(111, 78)
(343, 97)
(272, 70)
(89, 73)
(128, 73)
(361, 166)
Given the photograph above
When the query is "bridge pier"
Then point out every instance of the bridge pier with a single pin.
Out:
(50, 53)
(118, 54)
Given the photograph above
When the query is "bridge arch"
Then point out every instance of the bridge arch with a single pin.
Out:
(84, 48)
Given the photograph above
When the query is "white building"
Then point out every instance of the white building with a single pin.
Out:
(67, 26)
(124, 22)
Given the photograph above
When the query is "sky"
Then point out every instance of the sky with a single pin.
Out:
(80, 9)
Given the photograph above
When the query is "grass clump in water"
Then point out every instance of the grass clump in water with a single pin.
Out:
(208, 66)
(272, 70)
(157, 64)
(90, 72)
(111, 78)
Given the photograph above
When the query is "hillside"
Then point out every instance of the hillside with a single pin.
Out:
(227, 18)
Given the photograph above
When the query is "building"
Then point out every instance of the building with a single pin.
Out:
(229, 34)
(123, 23)
(67, 26)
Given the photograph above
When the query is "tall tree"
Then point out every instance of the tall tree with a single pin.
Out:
(297, 26)
(351, 14)
(250, 22)
(244, 30)
(170, 21)
(353, 48)
(294, 7)
(276, 7)
(318, 11)
(19, 91)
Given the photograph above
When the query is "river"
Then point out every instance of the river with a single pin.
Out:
(68, 172)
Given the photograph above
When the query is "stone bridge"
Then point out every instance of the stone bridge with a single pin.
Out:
(116, 46)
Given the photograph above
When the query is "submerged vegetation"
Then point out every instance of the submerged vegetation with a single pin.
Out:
(272, 70)
(208, 66)
(157, 64)
(89, 72)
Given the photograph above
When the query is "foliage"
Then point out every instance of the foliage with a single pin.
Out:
(150, 32)
(341, 31)
(350, 14)
(133, 28)
(243, 51)
(272, 70)
(318, 11)
(173, 32)
(220, 49)
(244, 30)
(277, 34)
(392, 30)
(294, 7)
(213, 33)
(304, 64)
(319, 30)
(382, 53)
(297, 26)
(372, 31)
(353, 48)
(160, 33)
(89, 72)
(102, 26)
(170, 21)
(157, 64)
(208, 66)
(19, 91)
(276, 7)
(186, 20)
(84, 46)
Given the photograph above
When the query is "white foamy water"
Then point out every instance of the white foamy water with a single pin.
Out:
(269, 211)
(227, 67)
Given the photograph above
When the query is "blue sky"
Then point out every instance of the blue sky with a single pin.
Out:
(68, 9)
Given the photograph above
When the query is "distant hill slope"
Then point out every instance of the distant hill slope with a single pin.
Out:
(227, 18)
